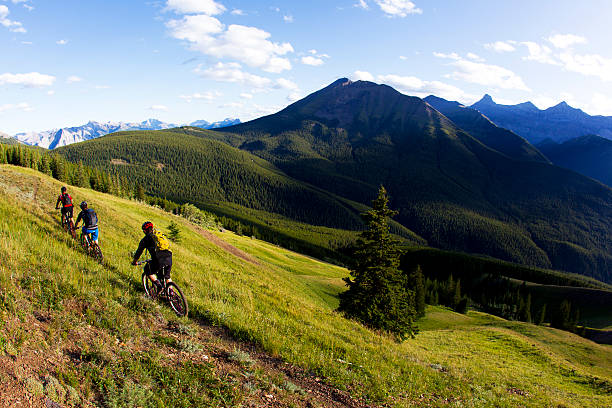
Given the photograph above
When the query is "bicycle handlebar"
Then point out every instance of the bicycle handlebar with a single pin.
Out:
(143, 262)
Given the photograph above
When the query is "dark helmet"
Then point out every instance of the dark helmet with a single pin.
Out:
(63, 189)
(83, 205)
(147, 225)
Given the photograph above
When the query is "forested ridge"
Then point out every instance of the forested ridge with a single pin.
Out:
(320, 158)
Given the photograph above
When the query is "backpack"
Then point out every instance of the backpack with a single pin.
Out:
(90, 218)
(66, 199)
(161, 242)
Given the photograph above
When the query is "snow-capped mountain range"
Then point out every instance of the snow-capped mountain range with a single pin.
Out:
(50, 139)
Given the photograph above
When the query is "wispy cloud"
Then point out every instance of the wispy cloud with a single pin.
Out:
(206, 96)
(249, 45)
(398, 8)
(161, 108)
(23, 106)
(31, 79)
(74, 79)
(415, 86)
(13, 26)
(363, 76)
(361, 4)
(566, 40)
(288, 18)
(501, 46)
(208, 7)
(483, 74)
(313, 61)
(238, 12)
(61, 42)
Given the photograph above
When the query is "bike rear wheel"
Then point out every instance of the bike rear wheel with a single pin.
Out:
(177, 300)
(71, 229)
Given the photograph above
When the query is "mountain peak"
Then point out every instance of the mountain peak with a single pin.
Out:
(340, 82)
(486, 99)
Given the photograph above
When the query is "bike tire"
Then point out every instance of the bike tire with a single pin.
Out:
(72, 230)
(148, 286)
(177, 300)
(97, 252)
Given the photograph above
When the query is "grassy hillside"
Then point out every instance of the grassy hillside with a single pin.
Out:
(103, 341)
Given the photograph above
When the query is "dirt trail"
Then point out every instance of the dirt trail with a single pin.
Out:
(225, 246)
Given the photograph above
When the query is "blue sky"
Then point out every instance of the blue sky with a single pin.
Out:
(66, 62)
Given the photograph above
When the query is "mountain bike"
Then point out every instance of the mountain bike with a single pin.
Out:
(91, 247)
(68, 225)
(169, 290)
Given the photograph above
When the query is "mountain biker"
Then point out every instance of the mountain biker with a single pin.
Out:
(67, 207)
(159, 257)
(90, 221)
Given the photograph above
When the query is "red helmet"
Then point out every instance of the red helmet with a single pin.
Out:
(147, 225)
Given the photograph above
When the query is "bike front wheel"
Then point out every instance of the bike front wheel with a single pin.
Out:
(97, 252)
(149, 287)
(177, 300)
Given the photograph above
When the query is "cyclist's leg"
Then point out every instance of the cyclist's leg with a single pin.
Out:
(94, 235)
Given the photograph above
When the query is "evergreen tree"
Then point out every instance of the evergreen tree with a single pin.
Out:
(377, 292)
(457, 294)
(82, 178)
(417, 284)
(541, 315)
(140, 193)
(175, 232)
(561, 317)
(44, 165)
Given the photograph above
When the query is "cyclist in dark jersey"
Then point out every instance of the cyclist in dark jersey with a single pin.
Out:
(90, 221)
(67, 207)
(158, 258)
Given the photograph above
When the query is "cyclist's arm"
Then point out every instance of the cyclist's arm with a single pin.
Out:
(59, 199)
(78, 219)
(141, 248)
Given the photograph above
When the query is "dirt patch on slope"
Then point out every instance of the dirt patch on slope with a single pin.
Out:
(226, 247)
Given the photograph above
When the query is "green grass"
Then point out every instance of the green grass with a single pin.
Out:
(285, 304)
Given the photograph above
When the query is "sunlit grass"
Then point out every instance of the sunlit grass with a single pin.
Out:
(286, 303)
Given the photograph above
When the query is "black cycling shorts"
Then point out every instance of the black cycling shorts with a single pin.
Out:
(67, 211)
(164, 261)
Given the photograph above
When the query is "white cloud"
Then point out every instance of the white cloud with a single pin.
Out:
(361, 4)
(288, 19)
(414, 86)
(310, 60)
(403, 58)
(475, 57)
(539, 53)
(101, 87)
(245, 95)
(398, 8)
(286, 84)
(27, 42)
(207, 96)
(543, 101)
(249, 45)
(485, 74)
(238, 12)
(566, 40)
(162, 108)
(452, 55)
(23, 106)
(590, 65)
(232, 72)
(13, 26)
(363, 76)
(32, 79)
(234, 105)
(294, 96)
(73, 79)
(62, 42)
(208, 7)
(51, 92)
(501, 46)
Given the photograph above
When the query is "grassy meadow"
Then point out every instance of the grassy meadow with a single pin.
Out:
(103, 340)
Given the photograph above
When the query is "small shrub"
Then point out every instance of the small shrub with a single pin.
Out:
(190, 346)
(241, 357)
(53, 389)
(72, 396)
(292, 387)
(34, 386)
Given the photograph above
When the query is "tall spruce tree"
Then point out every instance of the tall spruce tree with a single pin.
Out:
(418, 285)
(378, 292)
